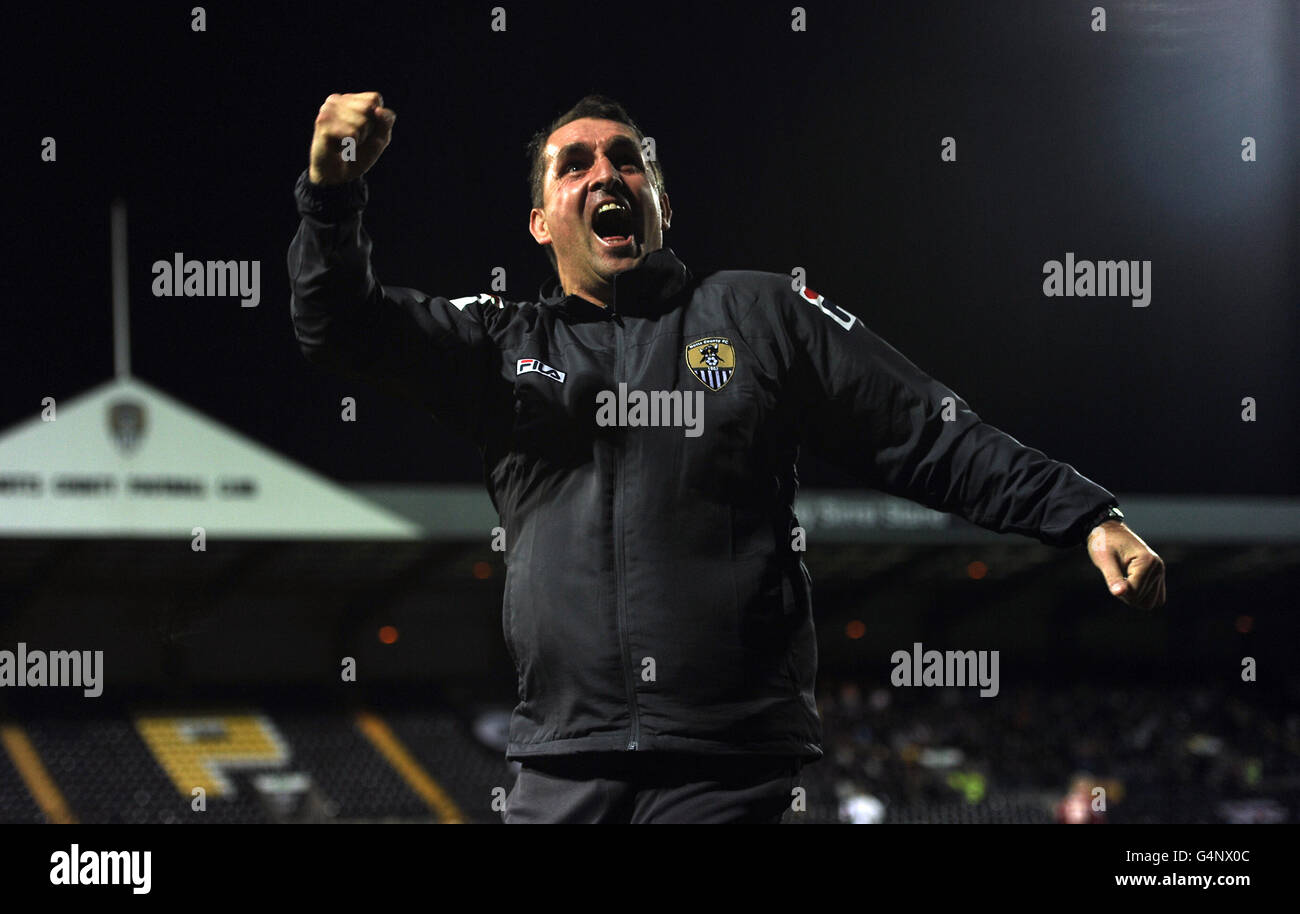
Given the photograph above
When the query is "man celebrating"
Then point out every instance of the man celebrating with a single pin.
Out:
(657, 612)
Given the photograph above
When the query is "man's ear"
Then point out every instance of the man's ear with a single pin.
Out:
(537, 226)
(666, 209)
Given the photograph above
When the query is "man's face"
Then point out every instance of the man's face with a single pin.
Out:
(591, 163)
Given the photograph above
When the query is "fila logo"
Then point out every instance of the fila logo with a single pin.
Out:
(483, 298)
(527, 365)
(834, 312)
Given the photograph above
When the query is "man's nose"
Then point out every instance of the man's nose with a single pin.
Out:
(604, 176)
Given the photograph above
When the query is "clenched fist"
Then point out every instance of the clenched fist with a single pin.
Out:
(1133, 571)
(359, 115)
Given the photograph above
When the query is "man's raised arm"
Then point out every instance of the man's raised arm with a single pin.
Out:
(423, 348)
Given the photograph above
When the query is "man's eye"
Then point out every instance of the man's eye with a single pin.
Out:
(570, 167)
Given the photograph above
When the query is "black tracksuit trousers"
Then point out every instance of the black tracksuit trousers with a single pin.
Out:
(652, 787)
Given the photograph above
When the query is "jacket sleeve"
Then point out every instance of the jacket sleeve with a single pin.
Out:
(428, 350)
(874, 414)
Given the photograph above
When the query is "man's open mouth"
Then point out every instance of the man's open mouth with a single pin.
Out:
(614, 224)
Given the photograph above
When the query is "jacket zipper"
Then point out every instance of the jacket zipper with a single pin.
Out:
(619, 569)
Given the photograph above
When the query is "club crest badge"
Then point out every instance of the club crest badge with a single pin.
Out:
(712, 360)
(126, 424)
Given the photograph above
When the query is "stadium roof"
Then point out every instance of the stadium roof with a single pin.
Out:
(126, 460)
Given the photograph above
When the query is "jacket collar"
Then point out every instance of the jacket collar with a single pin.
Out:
(658, 277)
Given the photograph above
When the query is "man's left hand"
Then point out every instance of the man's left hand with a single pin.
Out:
(1133, 572)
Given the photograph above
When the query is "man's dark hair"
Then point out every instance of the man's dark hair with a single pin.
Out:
(597, 106)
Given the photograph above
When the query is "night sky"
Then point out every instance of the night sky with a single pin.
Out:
(818, 149)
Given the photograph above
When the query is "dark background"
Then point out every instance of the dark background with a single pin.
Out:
(781, 149)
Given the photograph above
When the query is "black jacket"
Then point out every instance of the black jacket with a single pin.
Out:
(653, 599)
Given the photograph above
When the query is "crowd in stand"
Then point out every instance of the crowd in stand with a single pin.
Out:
(1083, 754)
